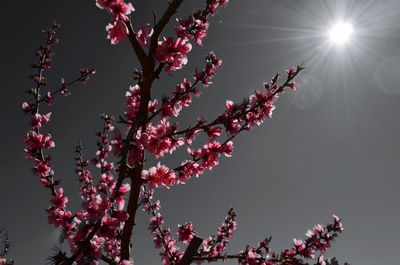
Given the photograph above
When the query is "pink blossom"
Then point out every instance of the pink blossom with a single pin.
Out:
(189, 168)
(214, 4)
(212, 63)
(119, 8)
(291, 72)
(106, 181)
(173, 53)
(120, 201)
(293, 86)
(227, 149)
(153, 106)
(103, 4)
(124, 188)
(160, 175)
(229, 104)
(117, 32)
(42, 168)
(148, 207)
(97, 207)
(155, 222)
(132, 104)
(186, 232)
(251, 256)
(59, 200)
(60, 217)
(36, 141)
(210, 153)
(192, 27)
(215, 245)
(144, 34)
(27, 107)
(38, 120)
(49, 98)
(299, 244)
(337, 223)
(117, 142)
(157, 140)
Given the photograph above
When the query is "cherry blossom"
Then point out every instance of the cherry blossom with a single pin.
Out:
(117, 32)
(159, 175)
(186, 232)
(119, 8)
(173, 53)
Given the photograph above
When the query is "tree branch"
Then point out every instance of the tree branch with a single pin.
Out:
(158, 29)
(136, 183)
(191, 251)
(140, 53)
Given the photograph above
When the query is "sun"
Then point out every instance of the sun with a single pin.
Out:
(341, 32)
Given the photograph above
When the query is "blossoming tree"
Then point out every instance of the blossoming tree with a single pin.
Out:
(117, 181)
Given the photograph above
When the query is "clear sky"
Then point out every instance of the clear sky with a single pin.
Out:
(331, 147)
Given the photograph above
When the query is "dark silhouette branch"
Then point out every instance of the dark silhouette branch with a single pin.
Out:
(191, 251)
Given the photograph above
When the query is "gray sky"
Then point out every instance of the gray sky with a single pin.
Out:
(331, 147)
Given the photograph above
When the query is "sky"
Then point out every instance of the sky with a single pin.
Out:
(331, 147)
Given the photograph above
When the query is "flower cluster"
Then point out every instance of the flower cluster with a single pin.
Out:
(215, 245)
(164, 137)
(171, 254)
(157, 138)
(196, 26)
(132, 104)
(159, 175)
(85, 178)
(212, 63)
(36, 141)
(117, 30)
(212, 5)
(182, 96)
(236, 118)
(118, 8)
(186, 232)
(104, 146)
(173, 53)
(92, 231)
(258, 107)
(318, 240)
(58, 215)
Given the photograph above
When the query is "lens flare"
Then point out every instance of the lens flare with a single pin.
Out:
(341, 32)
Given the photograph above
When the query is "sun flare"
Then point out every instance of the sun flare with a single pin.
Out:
(341, 33)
